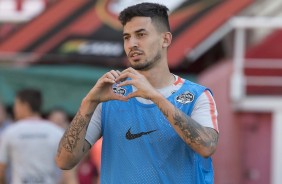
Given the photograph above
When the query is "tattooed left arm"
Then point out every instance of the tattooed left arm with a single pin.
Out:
(201, 139)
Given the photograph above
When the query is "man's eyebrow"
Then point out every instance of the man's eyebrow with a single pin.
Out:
(137, 31)
(125, 34)
(140, 30)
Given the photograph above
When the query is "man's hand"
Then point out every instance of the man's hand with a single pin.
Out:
(103, 91)
(139, 81)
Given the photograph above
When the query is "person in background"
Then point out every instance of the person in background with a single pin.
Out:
(30, 144)
(87, 172)
(60, 117)
(4, 121)
(156, 126)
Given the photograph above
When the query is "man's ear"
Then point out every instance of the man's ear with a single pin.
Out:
(167, 37)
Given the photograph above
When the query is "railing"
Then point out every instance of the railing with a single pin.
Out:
(239, 79)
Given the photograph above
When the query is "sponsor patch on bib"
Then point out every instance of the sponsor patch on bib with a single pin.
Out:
(119, 90)
(185, 97)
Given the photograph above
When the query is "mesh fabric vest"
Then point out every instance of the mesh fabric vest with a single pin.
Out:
(141, 146)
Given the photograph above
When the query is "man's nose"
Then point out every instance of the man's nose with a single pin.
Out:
(132, 43)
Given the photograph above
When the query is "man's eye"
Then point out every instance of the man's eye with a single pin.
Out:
(126, 38)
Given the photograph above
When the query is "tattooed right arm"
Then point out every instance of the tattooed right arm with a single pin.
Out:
(73, 145)
(202, 140)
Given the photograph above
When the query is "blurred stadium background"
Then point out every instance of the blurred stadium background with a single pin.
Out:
(233, 46)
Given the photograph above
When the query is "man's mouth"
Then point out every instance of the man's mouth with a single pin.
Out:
(135, 55)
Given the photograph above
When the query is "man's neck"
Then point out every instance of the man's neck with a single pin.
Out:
(159, 77)
(31, 116)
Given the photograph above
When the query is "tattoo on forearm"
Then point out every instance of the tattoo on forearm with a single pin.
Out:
(193, 132)
(71, 136)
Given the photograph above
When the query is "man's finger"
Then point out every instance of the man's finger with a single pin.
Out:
(115, 73)
(125, 83)
(108, 80)
(120, 97)
(132, 95)
(130, 70)
(118, 72)
(124, 76)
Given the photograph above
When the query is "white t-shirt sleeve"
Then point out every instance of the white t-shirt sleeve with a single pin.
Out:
(4, 144)
(205, 112)
(94, 130)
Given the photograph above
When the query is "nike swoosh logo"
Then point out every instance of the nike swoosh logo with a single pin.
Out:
(131, 136)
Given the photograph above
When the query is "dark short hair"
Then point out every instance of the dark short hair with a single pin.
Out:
(32, 97)
(157, 12)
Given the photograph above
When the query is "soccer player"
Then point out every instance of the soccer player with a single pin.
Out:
(157, 127)
(29, 145)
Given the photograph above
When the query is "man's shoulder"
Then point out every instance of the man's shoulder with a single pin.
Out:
(36, 125)
(49, 126)
(10, 130)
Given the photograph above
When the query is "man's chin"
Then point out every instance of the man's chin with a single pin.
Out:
(141, 67)
(137, 67)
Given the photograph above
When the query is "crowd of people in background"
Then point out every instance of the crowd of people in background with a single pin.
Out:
(27, 121)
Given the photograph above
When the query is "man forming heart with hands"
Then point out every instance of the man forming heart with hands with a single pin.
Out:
(156, 126)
